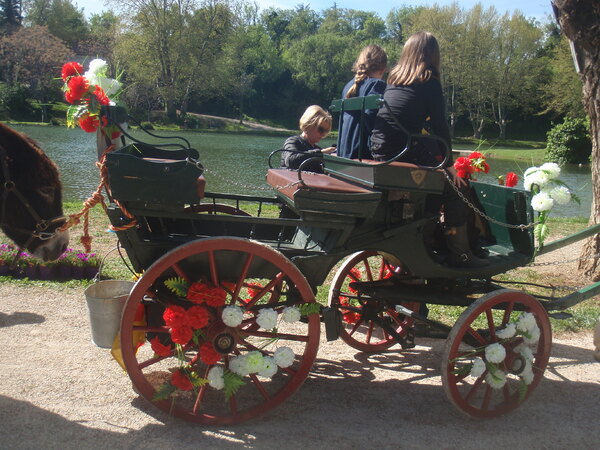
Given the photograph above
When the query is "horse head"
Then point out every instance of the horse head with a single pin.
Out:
(30, 197)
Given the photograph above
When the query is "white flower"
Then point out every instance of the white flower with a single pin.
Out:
(269, 367)
(478, 367)
(267, 318)
(542, 202)
(91, 77)
(284, 357)
(526, 322)
(109, 85)
(525, 352)
(98, 66)
(232, 316)
(291, 314)
(215, 378)
(552, 169)
(534, 336)
(238, 365)
(561, 195)
(538, 178)
(496, 379)
(527, 375)
(507, 332)
(254, 361)
(530, 170)
(495, 353)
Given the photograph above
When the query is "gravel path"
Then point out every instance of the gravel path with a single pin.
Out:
(60, 391)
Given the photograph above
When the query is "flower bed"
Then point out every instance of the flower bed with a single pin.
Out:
(70, 266)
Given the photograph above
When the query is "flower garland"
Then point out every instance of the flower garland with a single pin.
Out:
(475, 162)
(548, 191)
(491, 365)
(190, 324)
(87, 92)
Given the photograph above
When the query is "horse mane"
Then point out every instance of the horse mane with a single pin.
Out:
(23, 152)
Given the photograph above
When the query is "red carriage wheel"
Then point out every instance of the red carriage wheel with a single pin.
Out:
(357, 330)
(496, 353)
(233, 272)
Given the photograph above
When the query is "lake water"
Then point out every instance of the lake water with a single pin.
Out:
(237, 163)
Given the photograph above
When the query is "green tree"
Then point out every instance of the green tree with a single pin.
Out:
(63, 19)
(10, 15)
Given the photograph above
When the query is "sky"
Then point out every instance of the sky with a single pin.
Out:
(538, 9)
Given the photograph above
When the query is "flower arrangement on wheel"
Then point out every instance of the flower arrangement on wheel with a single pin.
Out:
(87, 92)
(192, 323)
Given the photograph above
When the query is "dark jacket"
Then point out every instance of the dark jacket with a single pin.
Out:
(350, 135)
(411, 106)
(292, 159)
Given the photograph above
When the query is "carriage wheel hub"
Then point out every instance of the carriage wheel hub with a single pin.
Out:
(224, 343)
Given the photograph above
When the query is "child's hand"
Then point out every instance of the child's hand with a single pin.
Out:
(329, 149)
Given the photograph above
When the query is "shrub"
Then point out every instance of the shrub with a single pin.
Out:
(569, 142)
(147, 125)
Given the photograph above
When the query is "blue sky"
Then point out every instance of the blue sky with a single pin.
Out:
(538, 9)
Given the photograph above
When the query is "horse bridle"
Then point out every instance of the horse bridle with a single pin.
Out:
(40, 230)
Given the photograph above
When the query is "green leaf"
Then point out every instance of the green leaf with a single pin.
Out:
(177, 285)
(164, 392)
(306, 309)
(196, 379)
(232, 383)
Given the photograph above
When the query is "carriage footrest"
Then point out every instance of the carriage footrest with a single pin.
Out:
(315, 192)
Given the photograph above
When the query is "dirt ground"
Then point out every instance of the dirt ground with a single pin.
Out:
(60, 391)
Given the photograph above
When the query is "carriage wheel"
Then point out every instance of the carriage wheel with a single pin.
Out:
(244, 273)
(482, 388)
(357, 329)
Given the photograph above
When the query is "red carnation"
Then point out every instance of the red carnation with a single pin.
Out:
(181, 381)
(197, 317)
(78, 86)
(216, 297)
(174, 316)
(511, 179)
(475, 155)
(89, 123)
(202, 292)
(486, 167)
(71, 69)
(159, 348)
(69, 97)
(181, 335)
(101, 96)
(463, 167)
(197, 292)
(208, 354)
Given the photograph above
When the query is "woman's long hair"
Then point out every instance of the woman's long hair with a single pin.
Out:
(372, 59)
(419, 61)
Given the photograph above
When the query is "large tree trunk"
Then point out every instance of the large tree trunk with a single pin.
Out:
(580, 22)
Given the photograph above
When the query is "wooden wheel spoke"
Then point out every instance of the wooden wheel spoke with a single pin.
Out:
(365, 261)
(268, 334)
(201, 393)
(356, 326)
(490, 322)
(180, 273)
(477, 336)
(241, 278)
(369, 332)
(475, 387)
(278, 278)
(151, 361)
(507, 313)
(214, 276)
(260, 386)
(487, 397)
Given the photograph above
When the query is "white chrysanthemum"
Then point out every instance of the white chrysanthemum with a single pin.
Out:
(526, 322)
(215, 378)
(525, 352)
(538, 178)
(91, 77)
(527, 376)
(496, 379)
(291, 314)
(254, 361)
(530, 170)
(109, 85)
(269, 367)
(552, 169)
(232, 316)
(284, 357)
(560, 194)
(238, 365)
(98, 66)
(507, 332)
(478, 367)
(542, 202)
(495, 353)
(267, 318)
(534, 336)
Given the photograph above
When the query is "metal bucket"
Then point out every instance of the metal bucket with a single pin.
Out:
(105, 301)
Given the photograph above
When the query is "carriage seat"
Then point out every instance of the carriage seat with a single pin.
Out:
(315, 192)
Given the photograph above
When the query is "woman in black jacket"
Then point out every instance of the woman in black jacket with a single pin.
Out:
(414, 96)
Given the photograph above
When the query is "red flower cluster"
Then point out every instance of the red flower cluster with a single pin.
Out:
(181, 381)
(511, 179)
(349, 316)
(208, 354)
(204, 293)
(71, 69)
(183, 322)
(159, 348)
(475, 162)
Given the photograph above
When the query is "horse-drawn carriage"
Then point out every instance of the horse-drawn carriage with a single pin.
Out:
(223, 324)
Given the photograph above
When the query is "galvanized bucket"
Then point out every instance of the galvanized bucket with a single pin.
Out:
(105, 301)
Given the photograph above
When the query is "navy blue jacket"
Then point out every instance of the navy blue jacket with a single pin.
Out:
(350, 136)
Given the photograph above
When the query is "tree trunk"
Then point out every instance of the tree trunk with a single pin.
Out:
(580, 22)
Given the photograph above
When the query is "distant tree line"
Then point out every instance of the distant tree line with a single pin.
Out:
(228, 57)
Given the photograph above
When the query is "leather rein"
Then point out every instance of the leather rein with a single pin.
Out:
(40, 230)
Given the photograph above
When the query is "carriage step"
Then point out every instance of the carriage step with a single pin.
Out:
(561, 315)
(333, 321)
